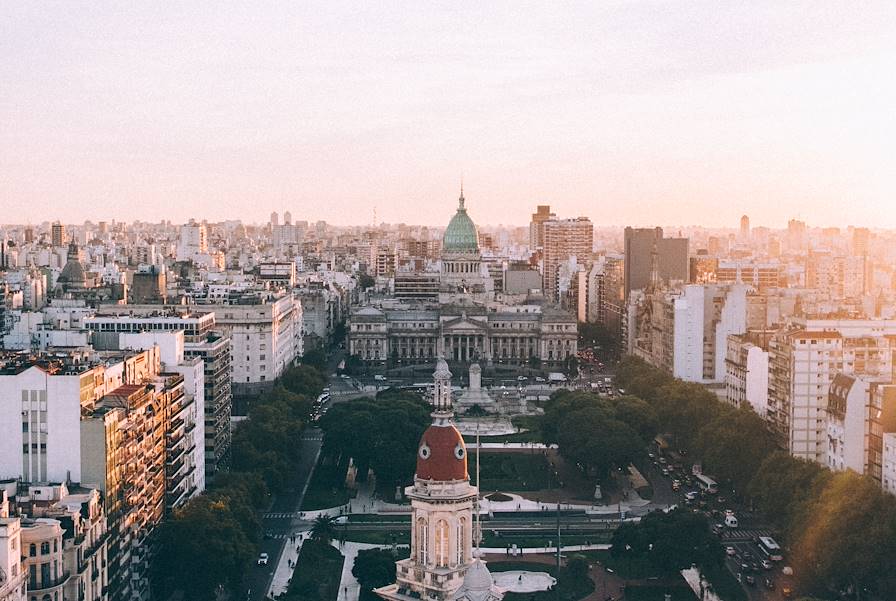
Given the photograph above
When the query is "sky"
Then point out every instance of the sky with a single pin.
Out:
(631, 113)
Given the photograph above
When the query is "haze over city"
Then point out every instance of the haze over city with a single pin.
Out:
(629, 113)
(496, 301)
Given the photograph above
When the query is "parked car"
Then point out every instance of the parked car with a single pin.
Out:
(767, 565)
(770, 584)
(263, 559)
(751, 580)
(730, 551)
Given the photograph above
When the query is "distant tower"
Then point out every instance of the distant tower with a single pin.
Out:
(275, 219)
(287, 218)
(57, 234)
(744, 228)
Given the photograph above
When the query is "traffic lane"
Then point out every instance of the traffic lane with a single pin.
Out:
(735, 566)
(260, 577)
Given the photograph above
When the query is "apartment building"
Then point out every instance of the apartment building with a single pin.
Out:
(12, 576)
(684, 330)
(746, 373)
(201, 340)
(805, 358)
(564, 238)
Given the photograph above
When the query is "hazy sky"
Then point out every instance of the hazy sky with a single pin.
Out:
(628, 112)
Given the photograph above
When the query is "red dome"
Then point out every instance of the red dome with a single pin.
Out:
(442, 454)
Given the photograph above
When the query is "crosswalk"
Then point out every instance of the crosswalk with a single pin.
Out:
(283, 535)
(283, 515)
(744, 534)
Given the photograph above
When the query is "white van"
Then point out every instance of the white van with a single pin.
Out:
(731, 521)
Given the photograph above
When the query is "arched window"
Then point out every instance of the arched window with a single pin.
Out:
(442, 538)
(461, 540)
(32, 550)
(421, 541)
(45, 548)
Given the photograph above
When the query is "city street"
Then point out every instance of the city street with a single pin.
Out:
(259, 579)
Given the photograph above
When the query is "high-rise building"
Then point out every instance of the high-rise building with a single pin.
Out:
(536, 227)
(803, 362)
(287, 218)
(744, 228)
(648, 253)
(193, 241)
(29, 235)
(57, 234)
(275, 219)
(565, 238)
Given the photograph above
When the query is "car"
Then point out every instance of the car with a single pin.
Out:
(750, 579)
(521, 378)
(326, 389)
(716, 530)
(665, 472)
(720, 500)
(767, 565)
(745, 567)
(691, 495)
(651, 455)
(729, 512)
(345, 377)
(730, 551)
(263, 559)
(539, 379)
(769, 584)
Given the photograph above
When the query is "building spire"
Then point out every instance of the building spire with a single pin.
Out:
(461, 199)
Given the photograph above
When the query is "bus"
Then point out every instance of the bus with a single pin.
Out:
(707, 484)
(770, 548)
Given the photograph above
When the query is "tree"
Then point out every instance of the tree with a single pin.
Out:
(303, 379)
(374, 568)
(365, 281)
(594, 432)
(316, 358)
(381, 434)
(323, 529)
(202, 546)
(669, 541)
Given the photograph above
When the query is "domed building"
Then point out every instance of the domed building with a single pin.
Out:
(442, 566)
(462, 269)
(72, 277)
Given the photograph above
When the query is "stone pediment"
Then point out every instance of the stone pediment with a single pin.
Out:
(463, 324)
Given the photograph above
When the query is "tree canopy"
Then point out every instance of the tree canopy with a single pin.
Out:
(596, 433)
(669, 541)
(381, 434)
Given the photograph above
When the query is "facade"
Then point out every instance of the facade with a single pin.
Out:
(442, 565)
(12, 574)
(193, 241)
(463, 334)
(803, 362)
(746, 374)
(201, 341)
(536, 226)
(685, 331)
(564, 238)
(116, 423)
(66, 533)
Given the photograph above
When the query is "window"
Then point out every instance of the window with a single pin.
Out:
(32, 550)
(442, 540)
(44, 548)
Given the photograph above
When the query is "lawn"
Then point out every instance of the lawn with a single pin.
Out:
(317, 574)
(513, 471)
(327, 486)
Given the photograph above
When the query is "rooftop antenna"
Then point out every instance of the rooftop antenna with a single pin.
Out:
(374, 215)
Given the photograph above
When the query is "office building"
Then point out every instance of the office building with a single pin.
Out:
(563, 239)
(648, 254)
(536, 226)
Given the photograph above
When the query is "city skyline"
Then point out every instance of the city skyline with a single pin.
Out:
(628, 114)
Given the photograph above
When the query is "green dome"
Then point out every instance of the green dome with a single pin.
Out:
(461, 235)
